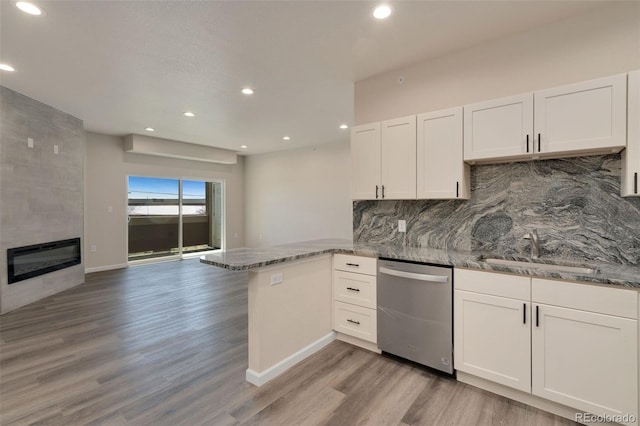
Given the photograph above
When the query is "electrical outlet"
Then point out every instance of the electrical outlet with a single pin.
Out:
(29, 142)
(276, 278)
(55, 149)
(402, 226)
(94, 249)
(110, 209)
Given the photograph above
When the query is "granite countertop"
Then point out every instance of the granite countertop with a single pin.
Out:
(249, 258)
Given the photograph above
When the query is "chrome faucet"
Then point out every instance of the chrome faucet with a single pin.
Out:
(535, 243)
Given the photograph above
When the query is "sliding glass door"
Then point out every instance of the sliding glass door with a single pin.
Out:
(170, 217)
(201, 226)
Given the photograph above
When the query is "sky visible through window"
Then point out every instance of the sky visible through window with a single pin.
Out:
(158, 196)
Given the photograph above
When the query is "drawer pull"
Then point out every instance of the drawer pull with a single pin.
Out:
(353, 264)
(353, 289)
(353, 322)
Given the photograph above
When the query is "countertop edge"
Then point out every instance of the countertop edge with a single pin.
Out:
(466, 260)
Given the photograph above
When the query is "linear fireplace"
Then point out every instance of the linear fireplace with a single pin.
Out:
(39, 259)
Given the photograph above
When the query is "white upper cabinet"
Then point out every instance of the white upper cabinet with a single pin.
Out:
(631, 155)
(365, 161)
(585, 117)
(441, 171)
(383, 160)
(398, 177)
(589, 117)
(500, 128)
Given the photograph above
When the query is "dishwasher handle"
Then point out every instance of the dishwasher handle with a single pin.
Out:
(414, 276)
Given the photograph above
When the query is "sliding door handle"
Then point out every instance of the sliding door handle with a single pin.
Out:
(537, 316)
(524, 313)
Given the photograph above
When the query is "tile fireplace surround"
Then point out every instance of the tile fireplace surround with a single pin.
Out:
(41, 191)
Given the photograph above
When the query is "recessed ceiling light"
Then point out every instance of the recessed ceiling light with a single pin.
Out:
(244, 146)
(150, 129)
(381, 12)
(286, 138)
(5, 67)
(189, 114)
(344, 126)
(247, 91)
(29, 8)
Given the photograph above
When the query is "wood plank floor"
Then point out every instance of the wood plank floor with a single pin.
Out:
(166, 344)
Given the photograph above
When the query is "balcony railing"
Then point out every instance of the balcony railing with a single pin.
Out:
(157, 235)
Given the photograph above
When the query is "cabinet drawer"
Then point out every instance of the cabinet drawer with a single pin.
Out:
(359, 264)
(502, 285)
(357, 289)
(356, 321)
(609, 301)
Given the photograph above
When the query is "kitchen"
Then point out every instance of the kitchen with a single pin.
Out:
(603, 43)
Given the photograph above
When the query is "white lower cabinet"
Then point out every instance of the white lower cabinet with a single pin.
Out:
(585, 360)
(570, 343)
(354, 297)
(492, 340)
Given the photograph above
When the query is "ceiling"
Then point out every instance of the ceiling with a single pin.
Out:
(122, 66)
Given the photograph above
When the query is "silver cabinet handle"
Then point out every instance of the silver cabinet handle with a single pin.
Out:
(414, 276)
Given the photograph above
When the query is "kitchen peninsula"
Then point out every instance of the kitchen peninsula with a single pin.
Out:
(290, 292)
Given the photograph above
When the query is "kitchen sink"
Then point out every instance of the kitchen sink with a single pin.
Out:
(542, 266)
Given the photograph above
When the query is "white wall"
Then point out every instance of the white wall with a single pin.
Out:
(599, 43)
(106, 169)
(298, 195)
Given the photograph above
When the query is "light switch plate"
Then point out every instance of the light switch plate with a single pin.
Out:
(276, 278)
(55, 149)
(402, 226)
(29, 142)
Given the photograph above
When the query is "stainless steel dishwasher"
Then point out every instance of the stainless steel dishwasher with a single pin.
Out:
(415, 312)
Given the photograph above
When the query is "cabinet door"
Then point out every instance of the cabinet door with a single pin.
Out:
(585, 360)
(631, 155)
(493, 338)
(442, 173)
(582, 117)
(365, 162)
(399, 159)
(499, 129)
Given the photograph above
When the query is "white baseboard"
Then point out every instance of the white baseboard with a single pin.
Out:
(105, 268)
(260, 378)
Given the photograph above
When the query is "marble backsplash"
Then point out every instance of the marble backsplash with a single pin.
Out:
(574, 204)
